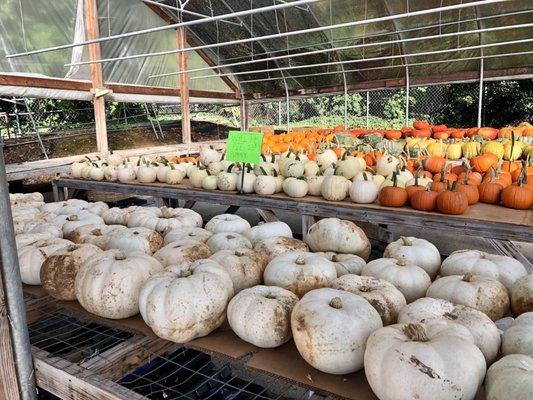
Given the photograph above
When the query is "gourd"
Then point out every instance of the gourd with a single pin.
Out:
(295, 187)
(334, 188)
(164, 219)
(339, 236)
(484, 294)
(139, 239)
(190, 232)
(485, 332)
(176, 253)
(510, 378)
(265, 185)
(518, 338)
(227, 180)
(32, 257)
(227, 241)
(209, 182)
(227, 223)
(244, 266)
(299, 272)
(197, 176)
(261, 315)
(415, 251)
(125, 174)
(522, 295)
(175, 176)
(97, 235)
(330, 328)
(209, 155)
(410, 361)
(382, 295)
(147, 174)
(188, 302)
(409, 279)
(505, 269)
(268, 230)
(275, 246)
(314, 183)
(364, 191)
(344, 263)
(59, 270)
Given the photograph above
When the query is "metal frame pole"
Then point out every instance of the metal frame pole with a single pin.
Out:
(288, 106)
(244, 115)
(367, 109)
(407, 88)
(481, 90)
(13, 292)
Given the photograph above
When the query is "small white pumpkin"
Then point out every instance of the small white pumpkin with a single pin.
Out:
(147, 174)
(197, 176)
(227, 181)
(339, 236)
(485, 332)
(334, 188)
(244, 266)
(314, 183)
(188, 302)
(97, 235)
(265, 185)
(518, 339)
(510, 378)
(46, 228)
(246, 182)
(261, 315)
(293, 168)
(503, 268)
(117, 216)
(227, 223)
(386, 165)
(344, 263)
(96, 173)
(109, 284)
(382, 295)
(175, 176)
(26, 239)
(484, 294)
(279, 183)
(415, 251)
(32, 257)
(411, 361)
(409, 279)
(377, 178)
(522, 295)
(364, 192)
(179, 253)
(76, 169)
(311, 168)
(111, 173)
(330, 328)
(350, 166)
(209, 155)
(126, 174)
(300, 272)
(326, 159)
(295, 187)
(188, 232)
(98, 208)
(268, 230)
(81, 218)
(161, 172)
(276, 246)
(138, 240)
(164, 219)
(228, 241)
(209, 182)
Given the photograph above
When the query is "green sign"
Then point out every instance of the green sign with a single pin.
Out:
(244, 147)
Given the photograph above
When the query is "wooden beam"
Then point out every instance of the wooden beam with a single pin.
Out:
(9, 388)
(97, 79)
(181, 41)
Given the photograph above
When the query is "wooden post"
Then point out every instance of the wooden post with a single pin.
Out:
(92, 32)
(181, 38)
(9, 388)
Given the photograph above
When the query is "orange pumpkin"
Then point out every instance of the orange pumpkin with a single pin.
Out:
(518, 195)
(472, 178)
(393, 134)
(448, 176)
(434, 164)
(457, 133)
(508, 131)
(424, 200)
(488, 133)
(421, 125)
(421, 133)
(439, 128)
(452, 202)
(393, 196)
(471, 191)
(471, 131)
(484, 162)
(490, 192)
(498, 176)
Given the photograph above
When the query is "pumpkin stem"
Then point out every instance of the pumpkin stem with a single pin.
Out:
(467, 277)
(406, 241)
(336, 303)
(120, 256)
(239, 253)
(365, 289)
(415, 332)
(72, 218)
(300, 261)
(401, 262)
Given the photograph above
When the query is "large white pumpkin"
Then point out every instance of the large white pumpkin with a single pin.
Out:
(47, 228)
(484, 294)
(415, 251)
(244, 266)
(227, 223)
(82, 218)
(177, 253)
(164, 219)
(188, 302)
(382, 295)
(276, 246)
(409, 279)
(518, 339)
(137, 239)
(261, 315)
(522, 295)
(97, 235)
(433, 361)
(118, 216)
(71, 206)
(330, 328)
(32, 257)
(344, 263)
(268, 230)
(510, 378)
(194, 233)
(300, 272)
(503, 268)
(59, 270)
(26, 239)
(228, 241)
(485, 332)
(340, 236)
(109, 285)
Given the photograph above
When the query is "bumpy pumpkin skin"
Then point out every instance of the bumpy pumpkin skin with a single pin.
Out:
(268, 230)
(261, 315)
(330, 328)
(518, 339)
(176, 253)
(402, 362)
(344, 263)
(135, 239)
(511, 378)
(227, 223)
(522, 295)
(244, 266)
(276, 246)
(415, 251)
(228, 241)
(189, 232)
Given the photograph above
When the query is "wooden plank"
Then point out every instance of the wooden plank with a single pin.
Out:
(307, 221)
(267, 215)
(508, 248)
(183, 79)
(8, 376)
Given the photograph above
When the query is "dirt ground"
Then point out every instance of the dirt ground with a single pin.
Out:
(68, 144)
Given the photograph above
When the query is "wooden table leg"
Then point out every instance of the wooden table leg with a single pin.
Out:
(267, 215)
(307, 221)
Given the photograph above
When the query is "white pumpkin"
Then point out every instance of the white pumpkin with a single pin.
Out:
(276, 246)
(261, 315)
(314, 184)
(96, 173)
(522, 295)
(503, 268)
(382, 295)
(227, 181)
(59, 270)
(98, 208)
(279, 183)
(335, 188)
(386, 165)
(209, 155)
(228, 241)
(71, 206)
(26, 239)
(97, 235)
(244, 266)
(484, 294)
(510, 378)
(214, 168)
(227, 223)
(175, 176)
(111, 173)
(295, 187)
(209, 182)
(76, 169)
(109, 284)
(161, 172)
(364, 192)
(197, 176)
(80, 219)
(178, 253)
(420, 361)
(185, 303)
(344, 263)
(126, 174)
(350, 166)
(485, 332)
(147, 174)
(339, 236)
(330, 328)
(365, 175)
(32, 257)
(247, 183)
(311, 168)
(198, 234)
(117, 216)
(137, 240)
(293, 168)
(300, 272)
(46, 228)
(164, 219)
(415, 251)
(326, 159)
(268, 230)
(409, 279)
(265, 185)
(518, 339)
